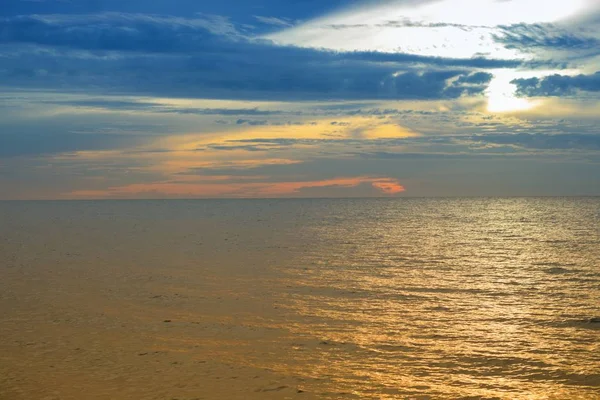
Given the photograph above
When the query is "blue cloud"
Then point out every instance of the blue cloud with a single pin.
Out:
(52, 141)
(542, 141)
(241, 11)
(476, 78)
(525, 37)
(251, 122)
(558, 85)
(125, 105)
(209, 57)
(122, 32)
(165, 34)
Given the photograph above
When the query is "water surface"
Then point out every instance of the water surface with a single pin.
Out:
(381, 299)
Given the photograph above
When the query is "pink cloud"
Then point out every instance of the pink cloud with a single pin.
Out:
(210, 187)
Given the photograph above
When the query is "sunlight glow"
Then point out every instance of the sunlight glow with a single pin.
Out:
(502, 94)
(446, 28)
(489, 12)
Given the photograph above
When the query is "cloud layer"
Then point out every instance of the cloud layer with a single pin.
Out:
(354, 98)
(209, 58)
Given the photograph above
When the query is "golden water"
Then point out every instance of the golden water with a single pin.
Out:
(376, 299)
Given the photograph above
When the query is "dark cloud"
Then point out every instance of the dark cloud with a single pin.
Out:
(558, 85)
(251, 122)
(172, 35)
(542, 141)
(476, 78)
(476, 62)
(525, 37)
(120, 32)
(207, 57)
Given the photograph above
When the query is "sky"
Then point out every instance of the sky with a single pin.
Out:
(121, 99)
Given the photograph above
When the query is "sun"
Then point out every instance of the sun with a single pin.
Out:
(500, 101)
(501, 94)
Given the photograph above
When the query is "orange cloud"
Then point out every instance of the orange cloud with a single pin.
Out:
(207, 187)
(286, 188)
(388, 186)
(173, 155)
(347, 127)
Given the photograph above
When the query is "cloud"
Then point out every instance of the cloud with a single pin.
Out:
(251, 122)
(446, 146)
(279, 22)
(16, 143)
(119, 32)
(157, 107)
(540, 141)
(209, 187)
(558, 85)
(428, 28)
(209, 58)
(398, 57)
(173, 35)
(476, 78)
(526, 37)
(248, 147)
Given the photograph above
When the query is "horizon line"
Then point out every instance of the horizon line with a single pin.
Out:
(307, 198)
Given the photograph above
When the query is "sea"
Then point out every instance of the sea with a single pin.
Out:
(393, 298)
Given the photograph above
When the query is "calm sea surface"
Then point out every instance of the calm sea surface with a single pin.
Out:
(367, 299)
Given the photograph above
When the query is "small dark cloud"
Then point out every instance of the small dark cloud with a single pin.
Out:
(339, 123)
(525, 37)
(251, 122)
(476, 78)
(558, 85)
(475, 62)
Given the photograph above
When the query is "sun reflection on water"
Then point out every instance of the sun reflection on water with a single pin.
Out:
(453, 308)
